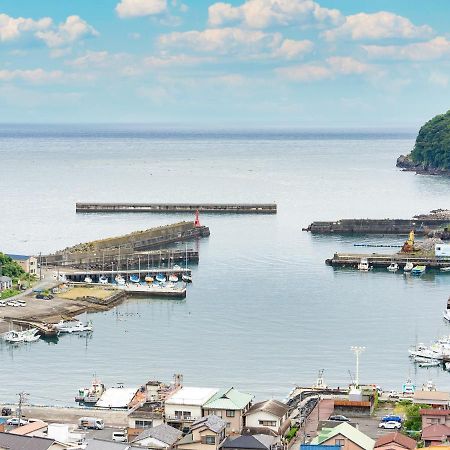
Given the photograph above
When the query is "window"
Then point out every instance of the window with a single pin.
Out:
(340, 442)
(178, 414)
(143, 423)
(209, 440)
(268, 423)
(186, 414)
(230, 413)
(228, 424)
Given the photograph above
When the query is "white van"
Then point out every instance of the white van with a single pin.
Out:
(120, 436)
(91, 422)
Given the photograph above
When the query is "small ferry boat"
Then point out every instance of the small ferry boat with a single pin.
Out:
(408, 266)
(418, 270)
(92, 394)
(186, 278)
(161, 278)
(363, 265)
(120, 280)
(103, 279)
(135, 278)
(173, 278)
(74, 326)
(393, 267)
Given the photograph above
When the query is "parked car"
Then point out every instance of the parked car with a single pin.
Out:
(391, 418)
(15, 421)
(120, 436)
(6, 411)
(44, 297)
(13, 303)
(394, 395)
(392, 425)
(339, 418)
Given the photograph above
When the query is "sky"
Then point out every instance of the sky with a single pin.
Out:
(303, 63)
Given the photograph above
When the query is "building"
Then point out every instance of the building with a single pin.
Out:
(160, 437)
(5, 283)
(319, 447)
(28, 263)
(230, 405)
(435, 434)
(435, 417)
(268, 417)
(12, 441)
(145, 417)
(442, 250)
(251, 442)
(437, 399)
(186, 405)
(207, 433)
(346, 436)
(395, 441)
(31, 429)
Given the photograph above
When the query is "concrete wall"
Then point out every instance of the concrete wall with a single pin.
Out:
(252, 420)
(169, 411)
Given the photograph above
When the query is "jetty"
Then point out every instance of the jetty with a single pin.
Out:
(79, 275)
(235, 208)
(380, 260)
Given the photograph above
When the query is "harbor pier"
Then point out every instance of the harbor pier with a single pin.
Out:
(80, 275)
(235, 208)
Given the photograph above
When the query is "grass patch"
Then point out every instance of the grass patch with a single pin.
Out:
(80, 292)
(8, 293)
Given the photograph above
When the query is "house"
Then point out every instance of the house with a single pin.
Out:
(12, 441)
(319, 447)
(231, 405)
(435, 434)
(28, 263)
(31, 429)
(346, 436)
(160, 437)
(268, 417)
(207, 433)
(434, 417)
(5, 283)
(437, 399)
(395, 441)
(250, 442)
(147, 416)
(186, 405)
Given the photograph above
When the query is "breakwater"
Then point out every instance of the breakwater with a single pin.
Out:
(236, 208)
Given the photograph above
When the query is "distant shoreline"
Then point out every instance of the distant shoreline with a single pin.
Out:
(407, 165)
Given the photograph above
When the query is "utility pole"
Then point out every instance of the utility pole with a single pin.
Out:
(40, 265)
(22, 398)
(357, 351)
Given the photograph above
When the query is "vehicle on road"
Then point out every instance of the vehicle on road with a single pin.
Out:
(339, 418)
(120, 436)
(92, 423)
(391, 418)
(15, 421)
(394, 395)
(392, 425)
(44, 297)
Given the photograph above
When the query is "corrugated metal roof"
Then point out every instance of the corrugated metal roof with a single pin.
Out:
(229, 399)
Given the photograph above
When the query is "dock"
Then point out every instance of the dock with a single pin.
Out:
(380, 260)
(79, 275)
(234, 208)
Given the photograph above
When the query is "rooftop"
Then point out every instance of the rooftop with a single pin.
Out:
(18, 257)
(195, 396)
(15, 442)
(4, 278)
(433, 396)
(229, 399)
(346, 430)
(435, 432)
(398, 438)
(212, 422)
(434, 412)
(29, 428)
(244, 442)
(273, 407)
(116, 397)
(163, 433)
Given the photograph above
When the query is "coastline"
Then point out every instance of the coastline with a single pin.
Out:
(405, 163)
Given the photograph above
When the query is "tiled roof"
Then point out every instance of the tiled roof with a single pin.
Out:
(435, 432)
(229, 399)
(346, 430)
(212, 422)
(398, 438)
(243, 442)
(273, 407)
(164, 433)
(16, 442)
(434, 412)
(432, 395)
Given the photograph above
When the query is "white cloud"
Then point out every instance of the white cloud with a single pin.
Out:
(337, 65)
(95, 59)
(421, 51)
(73, 29)
(32, 75)
(291, 48)
(11, 28)
(380, 25)
(265, 13)
(138, 8)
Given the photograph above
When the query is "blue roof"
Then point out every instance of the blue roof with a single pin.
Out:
(319, 447)
(18, 257)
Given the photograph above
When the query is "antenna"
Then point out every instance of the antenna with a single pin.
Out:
(357, 351)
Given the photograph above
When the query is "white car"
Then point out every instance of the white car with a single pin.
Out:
(391, 425)
(15, 421)
(13, 303)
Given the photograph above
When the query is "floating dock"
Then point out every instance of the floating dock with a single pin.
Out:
(235, 208)
(380, 260)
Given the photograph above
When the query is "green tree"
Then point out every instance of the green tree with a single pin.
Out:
(10, 268)
(413, 421)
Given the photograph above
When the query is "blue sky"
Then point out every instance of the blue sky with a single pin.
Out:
(271, 62)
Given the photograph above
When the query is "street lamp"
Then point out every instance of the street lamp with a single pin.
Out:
(357, 351)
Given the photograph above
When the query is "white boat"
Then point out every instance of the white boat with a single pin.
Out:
(408, 387)
(73, 326)
(446, 315)
(418, 270)
(186, 278)
(173, 278)
(87, 279)
(120, 280)
(445, 269)
(148, 279)
(408, 267)
(103, 279)
(363, 265)
(393, 267)
(430, 363)
(21, 336)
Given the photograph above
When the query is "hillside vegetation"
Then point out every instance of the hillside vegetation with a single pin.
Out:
(10, 268)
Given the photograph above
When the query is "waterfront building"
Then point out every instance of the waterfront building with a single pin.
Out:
(346, 436)
(5, 283)
(160, 437)
(28, 263)
(437, 399)
(268, 417)
(207, 433)
(395, 441)
(230, 405)
(435, 434)
(185, 406)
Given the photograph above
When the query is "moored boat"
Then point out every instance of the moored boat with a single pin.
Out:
(87, 279)
(393, 267)
(120, 280)
(173, 278)
(445, 269)
(149, 279)
(363, 265)
(186, 278)
(135, 278)
(74, 326)
(418, 270)
(408, 266)
(161, 278)
(91, 394)
(103, 279)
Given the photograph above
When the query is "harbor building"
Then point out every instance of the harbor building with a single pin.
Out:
(28, 263)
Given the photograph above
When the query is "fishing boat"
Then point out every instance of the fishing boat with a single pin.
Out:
(103, 279)
(393, 267)
(120, 280)
(408, 266)
(173, 278)
(161, 278)
(15, 337)
(176, 267)
(363, 265)
(87, 279)
(446, 312)
(418, 270)
(430, 363)
(90, 395)
(135, 278)
(445, 269)
(408, 387)
(148, 279)
(74, 326)
(186, 278)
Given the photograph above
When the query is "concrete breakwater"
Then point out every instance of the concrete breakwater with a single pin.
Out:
(127, 245)
(380, 260)
(236, 208)
(421, 227)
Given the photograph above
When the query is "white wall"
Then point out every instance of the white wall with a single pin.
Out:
(196, 411)
(252, 420)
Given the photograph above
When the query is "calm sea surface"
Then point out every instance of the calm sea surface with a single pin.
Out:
(264, 311)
